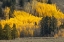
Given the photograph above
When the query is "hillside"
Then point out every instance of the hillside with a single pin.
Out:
(31, 18)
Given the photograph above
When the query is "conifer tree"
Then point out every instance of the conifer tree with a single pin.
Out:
(12, 8)
(1, 12)
(48, 25)
(54, 25)
(49, 2)
(45, 25)
(21, 3)
(14, 32)
(7, 32)
(1, 32)
(11, 4)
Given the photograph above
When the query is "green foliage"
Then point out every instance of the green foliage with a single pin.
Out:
(7, 32)
(1, 32)
(29, 0)
(45, 24)
(53, 25)
(14, 32)
(12, 8)
(11, 4)
(8, 3)
(53, 22)
(21, 2)
(1, 12)
(49, 2)
(48, 25)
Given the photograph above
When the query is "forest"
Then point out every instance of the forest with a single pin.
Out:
(30, 18)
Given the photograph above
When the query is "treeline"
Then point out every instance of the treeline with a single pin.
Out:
(48, 25)
(23, 4)
(7, 3)
(48, 28)
(7, 32)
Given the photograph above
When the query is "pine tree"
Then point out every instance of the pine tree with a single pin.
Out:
(14, 32)
(21, 3)
(54, 25)
(11, 4)
(1, 15)
(29, 0)
(12, 8)
(1, 32)
(7, 32)
(49, 2)
(48, 25)
(6, 3)
(45, 25)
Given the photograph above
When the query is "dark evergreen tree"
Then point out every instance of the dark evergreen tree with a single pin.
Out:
(49, 2)
(1, 32)
(45, 26)
(12, 8)
(7, 32)
(11, 4)
(1, 15)
(29, 0)
(48, 25)
(21, 3)
(6, 3)
(14, 32)
(54, 25)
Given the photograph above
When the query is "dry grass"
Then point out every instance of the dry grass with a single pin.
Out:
(36, 39)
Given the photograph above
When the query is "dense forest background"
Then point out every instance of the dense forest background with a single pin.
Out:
(30, 18)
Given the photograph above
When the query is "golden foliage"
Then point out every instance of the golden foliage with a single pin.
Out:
(44, 9)
(26, 22)
(22, 20)
(6, 12)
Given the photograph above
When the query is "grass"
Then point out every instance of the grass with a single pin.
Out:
(36, 39)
